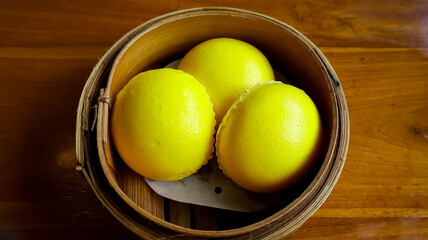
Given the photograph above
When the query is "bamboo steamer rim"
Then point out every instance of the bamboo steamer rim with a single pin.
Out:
(316, 193)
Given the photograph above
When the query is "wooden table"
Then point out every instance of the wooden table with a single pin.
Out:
(379, 50)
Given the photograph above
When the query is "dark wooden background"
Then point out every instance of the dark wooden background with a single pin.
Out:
(379, 50)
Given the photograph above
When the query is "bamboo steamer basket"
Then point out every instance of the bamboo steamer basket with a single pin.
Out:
(164, 39)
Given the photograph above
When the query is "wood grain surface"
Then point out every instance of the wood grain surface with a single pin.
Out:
(379, 50)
